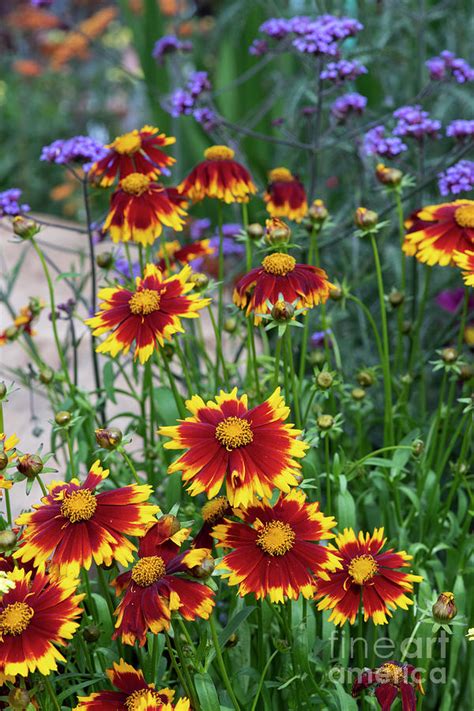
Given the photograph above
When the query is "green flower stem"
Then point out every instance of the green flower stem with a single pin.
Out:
(403, 265)
(184, 367)
(262, 679)
(371, 321)
(155, 647)
(327, 464)
(42, 486)
(59, 349)
(219, 353)
(387, 378)
(188, 690)
(185, 668)
(67, 435)
(305, 337)
(252, 354)
(292, 376)
(51, 693)
(221, 665)
(8, 507)
(375, 453)
(177, 397)
(220, 274)
(130, 464)
(276, 372)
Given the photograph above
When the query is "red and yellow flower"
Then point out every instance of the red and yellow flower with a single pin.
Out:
(280, 276)
(465, 261)
(368, 577)
(133, 694)
(139, 208)
(436, 232)
(285, 195)
(178, 254)
(39, 612)
(7, 447)
(253, 451)
(218, 176)
(133, 152)
(75, 525)
(391, 680)
(155, 586)
(150, 314)
(276, 548)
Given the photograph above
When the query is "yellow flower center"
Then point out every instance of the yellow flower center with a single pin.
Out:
(280, 174)
(234, 432)
(79, 505)
(276, 538)
(219, 153)
(148, 570)
(390, 674)
(144, 302)
(137, 700)
(362, 568)
(15, 618)
(279, 264)
(213, 510)
(127, 144)
(464, 216)
(135, 184)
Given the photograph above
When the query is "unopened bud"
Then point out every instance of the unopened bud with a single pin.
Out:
(230, 325)
(3, 390)
(91, 633)
(336, 293)
(25, 227)
(204, 569)
(168, 351)
(418, 447)
(172, 523)
(282, 311)
(449, 355)
(365, 219)
(255, 231)
(62, 418)
(396, 298)
(277, 232)
(7, 540)
(46, 375)
(30, 465)
(3, 461)
(388, 176)
(233, 640)
(406, 327)
(466, 372)
(108, 437)
(365, 378)
(318, 212)
(199, 280)
(444, 608)
(324, 380)
(317, 357)
(19, 699)
(358, 394)
(325, 422)
(104, 260)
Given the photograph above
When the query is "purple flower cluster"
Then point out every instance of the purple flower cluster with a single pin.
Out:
(451, 299)
(10, 203)
(78, 149)
(183, 101)
(447, 64)
(318, 35)
(206, 117)
(415, 123)
(348, 104)
(231, 248)
(41, 3)
(344, 70)
(460, 129)
(259, 47)
(459, 178)
(169, 44)
(377, 143)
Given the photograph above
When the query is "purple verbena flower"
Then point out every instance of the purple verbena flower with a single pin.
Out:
(353, 103)
(276, 27)
(459, 178)
(78, 149)
(377, 143)
(318, 338)
(122, 267)
(41, 3)
(343, 70)
(10, 203)
(259, 47)
(319, 35)
(447, 64)
(206, 117)
(182, 103)
(169, 44)
(198, 83)
(413, 122)
(460, 128)
(451, 299)
(199, 227)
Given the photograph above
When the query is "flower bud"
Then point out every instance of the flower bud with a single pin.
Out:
(25, 227)
(466, 372)
(282, 311)
(365, 378)
(30, 465)
(104, 260)
(19, 699)
(277, 232)
(3, 390)
(336, 293)
(388, 176)
(91, 633)
(407, 379)
(318, 212)
(406, 327)
(449, 355)
(325, 422)
(358, 394)
(7, 540)
(444, 608)
(365, 219)
(109, 437)
(62, 418)
(324, 380)
(233, 640)
(199, 280)
(396, 299)
(172, 522)
(168, 351)
(3, 461)
(46, 375)
(204, 569)
(36, 305)
(230, 325)
(255, 231)
(418, 447)
(317, 357)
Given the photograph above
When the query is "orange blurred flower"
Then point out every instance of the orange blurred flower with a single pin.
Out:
(27, 68)
(30, 18)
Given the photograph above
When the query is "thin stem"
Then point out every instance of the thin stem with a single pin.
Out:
(51, 693)
(252, 354)
(177, 397)
(220, 274)
(221, 665)
(294, 388)
(130, 464)
(372, 323)
(176, 667)
(276, 372)
(262, 679)
(219, 354)
(71, 452)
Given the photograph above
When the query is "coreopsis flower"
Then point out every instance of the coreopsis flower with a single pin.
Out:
(276, 551)
(285, 195)
(74, 525)
(139, 208)
(150, 314)
(155, 586)
(133, 152)
(465, 261)
(435, 232)
(252, 451)
(218, 176)
(391, 679)
(213, 512)
(38, 613)
(133, 694)
(183, 254)
(281, 276)
(367, 576)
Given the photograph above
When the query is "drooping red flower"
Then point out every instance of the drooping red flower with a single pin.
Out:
(391, 680)
(218, 176)
(285, 195)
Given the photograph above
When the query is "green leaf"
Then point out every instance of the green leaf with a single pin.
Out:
(206, 692)
(109, 381)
